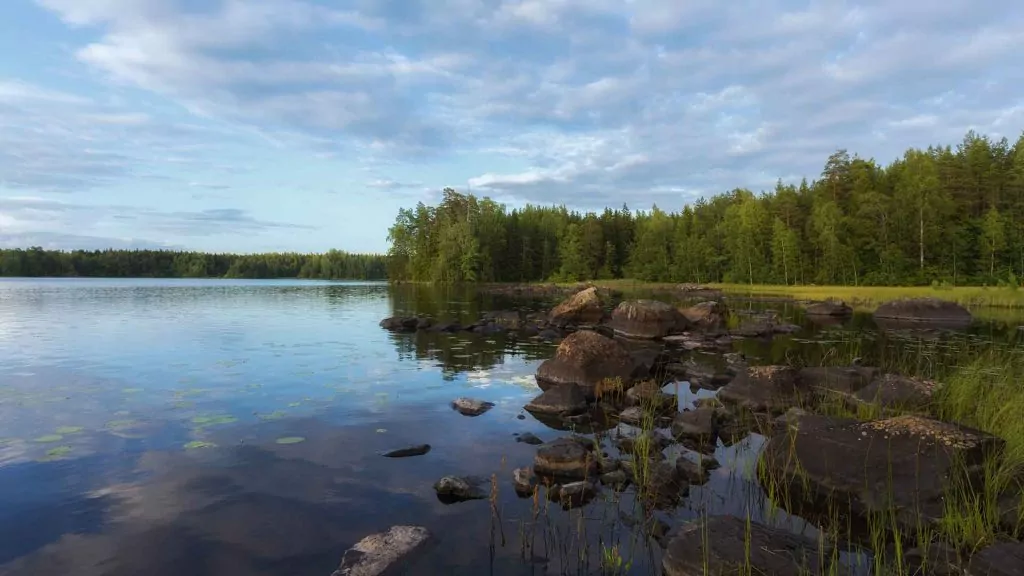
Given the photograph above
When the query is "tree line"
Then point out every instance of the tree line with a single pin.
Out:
(331, 265)
(946, 215)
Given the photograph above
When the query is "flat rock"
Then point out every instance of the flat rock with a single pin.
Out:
(646, 319)
(894, 464)
(471, 406)
(384, 553)
(451, 489)
(563, 399)
(925, 311)
(897, 392)
(1002, 559)
(564, 458)
(770, 389)
(729, 545)
(834, 308)
(587, 359)
(418, 450)
(583, 307)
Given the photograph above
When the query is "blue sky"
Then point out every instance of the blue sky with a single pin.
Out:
(252, 125)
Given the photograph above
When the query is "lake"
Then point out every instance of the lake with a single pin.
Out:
(234, 427)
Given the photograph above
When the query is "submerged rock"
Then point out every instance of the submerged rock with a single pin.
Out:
(471, 406)
(584, 307)
(586, 358)
(417, 450)
(384, 553)
(835, 308)
(562, 399)
(451, 489)
(646, 319)
(924, 311)
(564, 458)
(731, 545)
(529, 438)
(770, 389)
(902, 464)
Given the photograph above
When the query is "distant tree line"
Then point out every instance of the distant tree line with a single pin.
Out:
(332, 265)
(940, 215)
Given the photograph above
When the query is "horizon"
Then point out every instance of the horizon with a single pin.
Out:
(296, 126)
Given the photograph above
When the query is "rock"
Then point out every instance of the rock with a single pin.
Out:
(616, 480)
(471, 406)
(586, 358)
(564, 458)
(1002, 559)
(665, 487)
(1010, 507)
(451, 489)
(707, 315)
(573, 494)
(785, 328)
(634, 415)
(896, 392)
(581, 308)
(765, 389)
(524, 481)
(650, 395)
(400, 323)
(692, 472)
(710, 402)
(384, 553)
(562, 399)
(507, 320)
(529, 438)
(912, 311)
(839, 379)
(417, 450)
(549, 335)
(729, 545)
(883, 466)
(934, 559)
(646, 319)
(698, 426)
(836, 308)
(652, 441)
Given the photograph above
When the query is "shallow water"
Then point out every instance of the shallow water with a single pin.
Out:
(233, 427)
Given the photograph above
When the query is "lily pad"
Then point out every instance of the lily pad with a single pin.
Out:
(50, 438)
(290, 440)
(121, 424)
(294, 404)
(58, 452)
(199, 444)
(214, 420)
(69, 430)
(275, 415)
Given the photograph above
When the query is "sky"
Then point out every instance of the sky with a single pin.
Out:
(281, 125)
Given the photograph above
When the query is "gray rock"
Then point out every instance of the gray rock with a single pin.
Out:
(524, 481)
(584, 307)
(417, 450)
(563, 399)
(471, 406)
(929, 311)
(634, 415)
(765, 389)
(1002, 559)
(691, 471)
(647, 319)
(384, 553)
(729, 545)
(573, 494)
(451, 489)
(650, 394)
(587, 359)
(529, 438)
(700, 425)
(834, 308)
(896, 392)
(616, 480)
(707, 315)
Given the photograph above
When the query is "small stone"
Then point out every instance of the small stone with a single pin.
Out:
(524, 481)
(616, 480)
(417, 450)
(529, 438)
(471, 406)
(451, 489)
(633, 415)
(575, 494)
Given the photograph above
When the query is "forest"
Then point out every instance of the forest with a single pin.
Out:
(945, 215)
(332, 265)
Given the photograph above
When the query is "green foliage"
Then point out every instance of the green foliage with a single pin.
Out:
(332, 265)
(938, 216)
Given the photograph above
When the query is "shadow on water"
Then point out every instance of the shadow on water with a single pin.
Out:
(235, 428)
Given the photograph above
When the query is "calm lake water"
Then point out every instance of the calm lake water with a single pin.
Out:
(233, 427)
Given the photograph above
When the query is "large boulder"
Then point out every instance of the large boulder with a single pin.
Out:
(834, 308)
(708, 315)
(771, 389)
(927, 311)
(385, 553)
(584, 307)
(646, 319)
(899, 466)
(731, 545)
(586, 358)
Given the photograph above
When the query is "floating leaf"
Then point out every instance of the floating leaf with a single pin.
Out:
(69, 430)
(199, 444)
(120, 424)
(290, 440)
(214, 420)
(50, 438)
(58, 452)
